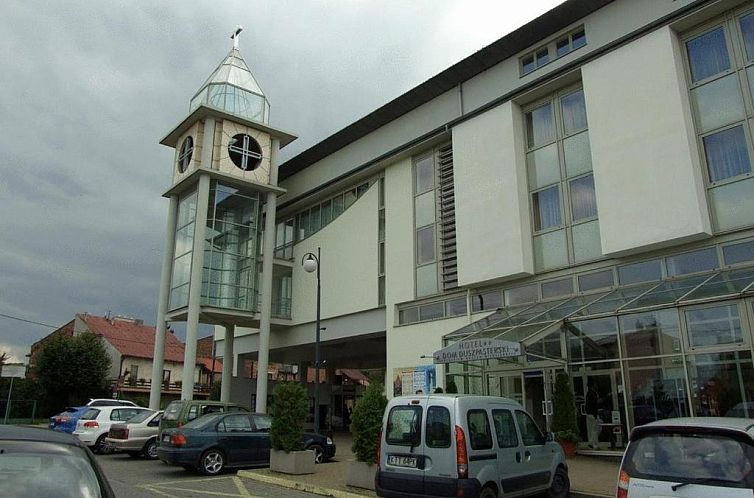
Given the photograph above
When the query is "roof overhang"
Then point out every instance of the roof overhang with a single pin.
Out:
(225, 178)
(205, 111)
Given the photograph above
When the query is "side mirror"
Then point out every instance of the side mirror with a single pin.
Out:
(550, 436)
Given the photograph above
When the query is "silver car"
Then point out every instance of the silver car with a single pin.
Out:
(706, 457)
(137, 436)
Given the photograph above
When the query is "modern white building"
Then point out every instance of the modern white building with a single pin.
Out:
(581, 187)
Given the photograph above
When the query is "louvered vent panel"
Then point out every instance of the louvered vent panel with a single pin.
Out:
(447, 219)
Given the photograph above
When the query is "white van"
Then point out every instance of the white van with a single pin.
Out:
(462, 445)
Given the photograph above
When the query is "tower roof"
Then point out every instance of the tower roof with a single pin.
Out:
(234, 71)
(232, 88)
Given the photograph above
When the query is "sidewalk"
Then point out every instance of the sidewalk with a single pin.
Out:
(591, 477)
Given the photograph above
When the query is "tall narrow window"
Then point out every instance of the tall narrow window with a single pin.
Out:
(559, 169)
(434, 222)
(720, 62)
(381, 242)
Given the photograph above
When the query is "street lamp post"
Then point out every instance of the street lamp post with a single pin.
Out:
(311, 263)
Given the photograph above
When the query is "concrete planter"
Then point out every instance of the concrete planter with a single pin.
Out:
(295, 462)
(360, 474)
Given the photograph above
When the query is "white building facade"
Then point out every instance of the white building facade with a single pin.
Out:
(582, 187)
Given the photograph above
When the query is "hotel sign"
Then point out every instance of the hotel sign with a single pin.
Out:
(477, 349)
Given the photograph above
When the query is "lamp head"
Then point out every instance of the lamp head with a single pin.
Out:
(310, 264)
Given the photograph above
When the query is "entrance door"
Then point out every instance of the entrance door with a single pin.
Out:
(538, 386)
(607, 385)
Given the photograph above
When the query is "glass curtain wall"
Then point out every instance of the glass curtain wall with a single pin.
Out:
(231, 269)
(184, 243)
(645, 365)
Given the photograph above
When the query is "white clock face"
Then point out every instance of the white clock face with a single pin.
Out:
(245, 152)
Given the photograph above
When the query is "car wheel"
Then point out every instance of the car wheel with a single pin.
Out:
(319, 453)
(150, 449)
(212, 462)
(561, 485)
(102, 446)
(488, 492)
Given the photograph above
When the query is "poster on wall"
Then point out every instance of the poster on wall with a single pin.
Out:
(421, 379)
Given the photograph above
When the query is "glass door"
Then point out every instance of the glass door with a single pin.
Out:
(538, 387)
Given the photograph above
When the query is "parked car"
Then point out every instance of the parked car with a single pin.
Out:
(36, 462)
(65, 421)
(137, 436)
(179, 412)
(94, 424)
(222, 440)
(703, 457)
(463, 445)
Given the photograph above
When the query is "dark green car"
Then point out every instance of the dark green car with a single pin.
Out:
(178, 413)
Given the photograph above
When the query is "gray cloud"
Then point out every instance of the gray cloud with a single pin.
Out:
(87, 89)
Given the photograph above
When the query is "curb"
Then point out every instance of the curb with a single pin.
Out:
(299, 486)
(337, 493)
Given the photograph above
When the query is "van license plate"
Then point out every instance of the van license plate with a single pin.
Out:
(402, 461)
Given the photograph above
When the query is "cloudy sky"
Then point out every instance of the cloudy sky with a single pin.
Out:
(88, 88)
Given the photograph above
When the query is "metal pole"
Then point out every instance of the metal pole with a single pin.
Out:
(316, 353)
(7, 406)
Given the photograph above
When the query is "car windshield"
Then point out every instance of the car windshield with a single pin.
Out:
(203, 421)
(140, 416)
(689, 458)
(90, 414)
(172, 411)
(46, 470)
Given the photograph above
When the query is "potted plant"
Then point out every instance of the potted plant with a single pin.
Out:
(366, 423)
(564, 423)
(451, 387)
(289, 411)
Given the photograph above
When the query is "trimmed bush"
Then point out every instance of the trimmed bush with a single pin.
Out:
(451, 387)
(564, 423)
(367, 422)
(289, 411)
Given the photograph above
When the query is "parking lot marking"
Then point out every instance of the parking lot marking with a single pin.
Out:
(162, 488)
(241, 488)
(149, 487)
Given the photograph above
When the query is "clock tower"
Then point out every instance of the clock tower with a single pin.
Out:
(217, 266)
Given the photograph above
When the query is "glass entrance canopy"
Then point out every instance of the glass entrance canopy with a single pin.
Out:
(530, 324)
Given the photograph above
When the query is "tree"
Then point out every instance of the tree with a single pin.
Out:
(3, 361)
(73, 369)
(289, 411)
(564, 423)
(367, 422)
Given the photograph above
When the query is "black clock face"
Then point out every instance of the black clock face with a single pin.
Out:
(245, 152)
(184, 156)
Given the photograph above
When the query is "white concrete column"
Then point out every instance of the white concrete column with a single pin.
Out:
(266, 293)
(195, 288)
(158, 361)
(228, 360)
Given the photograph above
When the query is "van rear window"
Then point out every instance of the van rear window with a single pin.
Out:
(438, 427)
(691, 458)
(403, 425)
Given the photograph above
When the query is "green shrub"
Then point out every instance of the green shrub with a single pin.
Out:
(289, 411)
(367, 422)
(451, 387)
(564, 423)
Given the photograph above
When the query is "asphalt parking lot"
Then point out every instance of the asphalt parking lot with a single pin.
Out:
(138, 478)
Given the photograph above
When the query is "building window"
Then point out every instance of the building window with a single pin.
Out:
(381, 242)
(720, 70)
(559, 170)
(316, 217)
(184, 156)
(434, 222)
(245, 152)
(554, 50)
